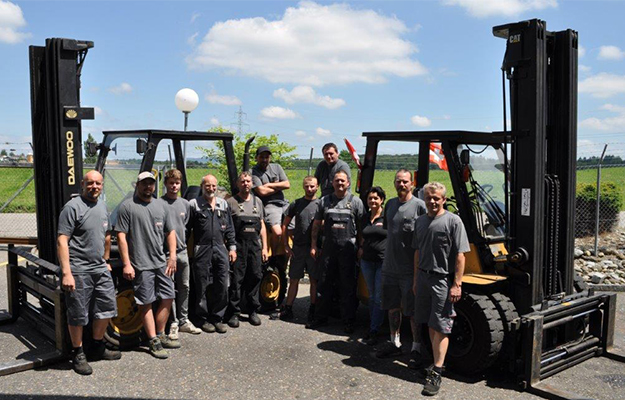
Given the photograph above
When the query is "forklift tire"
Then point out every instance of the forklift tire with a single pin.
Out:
(507, 313)
(579, 285)
(126, 330)
(272, 289)
(476, 338)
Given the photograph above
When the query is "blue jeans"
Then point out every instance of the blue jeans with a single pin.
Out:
(372, 272)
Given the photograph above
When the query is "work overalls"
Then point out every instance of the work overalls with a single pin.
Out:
(339, 261)
(247, 270)
(211, 264)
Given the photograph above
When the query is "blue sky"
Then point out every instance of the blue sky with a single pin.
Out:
(311, 72)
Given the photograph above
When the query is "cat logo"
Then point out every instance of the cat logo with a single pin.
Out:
(515, 38)
(69, 146)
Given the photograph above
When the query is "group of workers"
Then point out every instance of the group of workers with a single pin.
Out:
(410, 252)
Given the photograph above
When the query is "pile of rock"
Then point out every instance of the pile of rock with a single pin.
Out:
(607, 267)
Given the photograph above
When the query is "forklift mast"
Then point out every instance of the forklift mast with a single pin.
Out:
(57, 136)
(541, 67)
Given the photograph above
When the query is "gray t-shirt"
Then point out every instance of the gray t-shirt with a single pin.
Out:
(349, 204)
(439, 240)
(273, 173)
(179, 207)
(325, 175)
(399, 221)
(146, 225)
(86, 224)
(303, 212)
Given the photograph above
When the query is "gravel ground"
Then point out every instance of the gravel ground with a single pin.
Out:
(277, 360)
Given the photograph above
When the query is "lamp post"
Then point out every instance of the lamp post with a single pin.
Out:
(186, 101)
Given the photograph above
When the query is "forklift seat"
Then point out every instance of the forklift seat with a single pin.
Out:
(192, 192)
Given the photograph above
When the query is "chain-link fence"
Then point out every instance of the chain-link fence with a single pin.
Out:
(17, 202)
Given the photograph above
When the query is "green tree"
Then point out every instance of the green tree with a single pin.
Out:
(347, 157)
(3, 153)
(89, 159)
(281, 152)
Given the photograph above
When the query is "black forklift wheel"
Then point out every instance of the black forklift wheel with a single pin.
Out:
(476, 337)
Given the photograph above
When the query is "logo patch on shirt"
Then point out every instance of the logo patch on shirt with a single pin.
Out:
(159, 224)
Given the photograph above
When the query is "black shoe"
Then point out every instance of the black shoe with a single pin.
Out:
(80, 364)
(311, 313)
(423, 372)
(220, 327)
(388, 349)
(348, 327)
(254, 319)
(98, 351)
(371, 339)
(415, 361)
(208, 327)
(432, 383)
(316, 323)
(233, 322)
(287, 314)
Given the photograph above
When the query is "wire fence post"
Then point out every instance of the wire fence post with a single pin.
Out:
(598, 199)
(312, 149)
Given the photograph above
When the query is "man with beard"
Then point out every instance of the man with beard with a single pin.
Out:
(84, 244)
(212, 231)
(440, 241)
(331, 165)
(400, 217)
(247, 215)
(269, 182)
(143, 224)
(341, 213)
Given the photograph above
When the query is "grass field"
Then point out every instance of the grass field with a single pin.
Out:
(11, 179)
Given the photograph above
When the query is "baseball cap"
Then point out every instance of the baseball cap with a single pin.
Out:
(145, 175)
(263, 149)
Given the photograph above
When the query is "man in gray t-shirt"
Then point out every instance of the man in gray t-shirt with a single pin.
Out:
(328, 167)
(400, 215)
(269, 183)
(84, 244)
(440, 241)
(143, 225)
(179, 209)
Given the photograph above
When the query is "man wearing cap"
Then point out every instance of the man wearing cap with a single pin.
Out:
(215, 248)
(269, 183)
(143, 225)
(330, 165)
(84, 243)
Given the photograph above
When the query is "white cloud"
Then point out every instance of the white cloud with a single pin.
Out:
(312, 45)
(508, 8)
(11, 21)
(323, 132)
(610, 53)
(306, 94)
(300, 133)
(581, 51)
(603, 85)
(278, 113)
(191, 39)
(610, 124)
(584, 68)
(225, 100)
(420, 121)
(123, 88)
(194, 17)
(215, 122)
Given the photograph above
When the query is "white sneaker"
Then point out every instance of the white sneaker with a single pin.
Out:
(188, 327)
(173, 331)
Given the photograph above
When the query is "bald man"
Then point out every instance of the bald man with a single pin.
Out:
(84, 243)
(215, 248)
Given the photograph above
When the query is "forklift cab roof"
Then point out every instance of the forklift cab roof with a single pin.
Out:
(470, 137)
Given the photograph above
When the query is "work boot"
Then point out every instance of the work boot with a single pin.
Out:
(156, 349)
(371, 339)
(388, 349)
(432, 383)
(220, 327)
(188, 327)
(80, 364)
(233, 322)
(208, 327)
(415, 361)
(173, 331)
(168, 342)
(348, 326)
(254, 319)
(98, 351)
(287, 313)
(317, 323)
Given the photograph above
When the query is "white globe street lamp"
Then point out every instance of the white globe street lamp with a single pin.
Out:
(186, 101)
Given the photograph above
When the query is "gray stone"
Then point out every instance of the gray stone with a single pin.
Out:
(597, 277)
(578, 252)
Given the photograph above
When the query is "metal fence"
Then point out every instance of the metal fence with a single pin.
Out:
(595, 215)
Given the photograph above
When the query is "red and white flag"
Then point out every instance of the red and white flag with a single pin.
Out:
(353, 153)
(437, 157)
